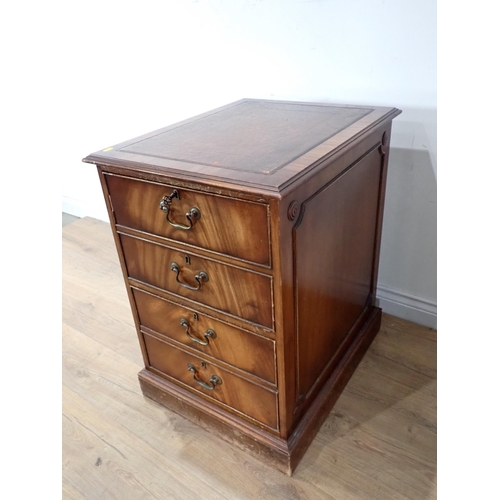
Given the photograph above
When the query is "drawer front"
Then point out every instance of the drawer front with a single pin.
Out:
(232, 227)
(245, 397)
(249, 352)
(229, 289)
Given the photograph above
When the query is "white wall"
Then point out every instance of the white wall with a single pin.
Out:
(132, 68)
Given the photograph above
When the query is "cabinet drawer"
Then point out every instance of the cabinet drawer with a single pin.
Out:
(232, 227)
(233, 290)
(243, 396)
(247, 351)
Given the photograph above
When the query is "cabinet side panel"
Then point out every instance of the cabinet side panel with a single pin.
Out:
(334, 242)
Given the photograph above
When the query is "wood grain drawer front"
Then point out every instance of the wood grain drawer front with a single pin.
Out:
(228, 226)
(245, 397)
(229, 289)
(247, 351)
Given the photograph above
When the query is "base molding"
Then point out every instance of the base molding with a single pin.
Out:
(322, 405)
(269, 448)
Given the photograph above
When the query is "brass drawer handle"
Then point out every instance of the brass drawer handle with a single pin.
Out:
(208, 334)
(192, 216)
(202, 276)
(214, 379)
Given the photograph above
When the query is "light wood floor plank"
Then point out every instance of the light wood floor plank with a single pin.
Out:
(123, 466)
(68, 492)
(378, 443)
(103, 317)
(89, 369)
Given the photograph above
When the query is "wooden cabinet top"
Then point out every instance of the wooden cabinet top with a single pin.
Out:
(258, 143)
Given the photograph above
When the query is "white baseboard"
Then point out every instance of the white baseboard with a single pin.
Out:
(407, 306)
(80, 208)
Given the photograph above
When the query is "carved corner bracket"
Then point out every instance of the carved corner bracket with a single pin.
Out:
(293, 210)
(384, 144)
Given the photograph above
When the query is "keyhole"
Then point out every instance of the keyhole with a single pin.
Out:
(203, 364)
(187, 259)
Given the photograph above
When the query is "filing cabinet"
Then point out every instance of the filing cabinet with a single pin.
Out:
(249, 239)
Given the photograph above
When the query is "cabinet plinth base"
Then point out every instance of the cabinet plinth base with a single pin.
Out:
(283, 454)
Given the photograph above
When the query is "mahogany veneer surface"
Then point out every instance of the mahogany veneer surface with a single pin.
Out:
(252, 353)
(132, 210)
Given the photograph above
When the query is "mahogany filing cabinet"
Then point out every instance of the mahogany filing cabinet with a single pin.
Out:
(249, 241)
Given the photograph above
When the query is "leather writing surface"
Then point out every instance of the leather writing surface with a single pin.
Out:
(253, 136)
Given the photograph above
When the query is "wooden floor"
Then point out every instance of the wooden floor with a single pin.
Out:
(379, 442)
